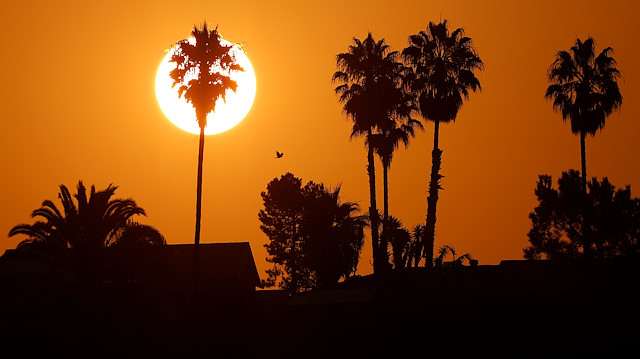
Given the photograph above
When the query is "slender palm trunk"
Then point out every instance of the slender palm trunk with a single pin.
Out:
(417, 255)
(373, 209)
(198, 213)
(199, 187)
(587, 235)
(434, 186)
(583, 154)
(384, 239)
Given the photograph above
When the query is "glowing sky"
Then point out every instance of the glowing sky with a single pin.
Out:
(78, 102)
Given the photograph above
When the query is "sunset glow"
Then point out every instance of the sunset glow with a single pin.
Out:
(410, 178)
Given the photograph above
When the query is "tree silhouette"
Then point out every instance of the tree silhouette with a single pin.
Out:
(400, 240)
(78, 235)
(201, 73)
(558, 226)
(584, 89)
(398, 127)
(366, 73)
(314, 239)
(414, 250)
(334, 234)
(281, 220)
(443, 74)
(456, 261)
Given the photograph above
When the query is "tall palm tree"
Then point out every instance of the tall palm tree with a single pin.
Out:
(584, 89)
(364, 73)
(444, 66)
(201, 71)
(79, 233)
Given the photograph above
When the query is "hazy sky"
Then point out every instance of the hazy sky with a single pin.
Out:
(78, 103)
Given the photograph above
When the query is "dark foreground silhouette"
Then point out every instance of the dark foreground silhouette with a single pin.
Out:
(515, 309)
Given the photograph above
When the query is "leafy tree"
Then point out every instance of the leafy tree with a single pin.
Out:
(78, 235)
(201, 73)
(443, 66)
(368, 72)
(584, 89)
(281, 221)
(559, 229)
(314, 239)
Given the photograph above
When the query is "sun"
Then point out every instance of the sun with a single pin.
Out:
(226, 115)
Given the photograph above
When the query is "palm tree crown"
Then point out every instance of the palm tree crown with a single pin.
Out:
(369, 73)
(202, 70)
(78, 234)
(584, 87)
(93, 222)
(444, 66)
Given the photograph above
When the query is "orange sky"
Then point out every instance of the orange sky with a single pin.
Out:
(78, 102)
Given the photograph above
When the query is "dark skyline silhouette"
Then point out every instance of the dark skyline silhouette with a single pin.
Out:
(101, 101)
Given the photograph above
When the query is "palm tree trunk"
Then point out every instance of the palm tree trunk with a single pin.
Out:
(583, 153)
(198, 213)
(384, 241)
(373, 209)
(434, 186)
(587, 235)
(418, 255)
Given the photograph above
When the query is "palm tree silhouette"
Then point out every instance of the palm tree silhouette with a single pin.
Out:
(400, 240)
(584, 89)
(443, 73)
(78, 234)
(365, 72)
(335, 234)
(201, 72)
(398, 127)
(456, 261)
(415, 246)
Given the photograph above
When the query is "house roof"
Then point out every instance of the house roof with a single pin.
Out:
(218, 262)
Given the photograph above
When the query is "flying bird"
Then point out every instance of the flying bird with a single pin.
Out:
(279, 155)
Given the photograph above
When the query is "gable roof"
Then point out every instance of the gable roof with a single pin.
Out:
(218, 262)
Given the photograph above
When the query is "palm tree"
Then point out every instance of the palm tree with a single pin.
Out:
(364, 72)
(400, 240)
(414, 250)
(584, 89)
(78, 234)
(398, 127)
(443, 64)
(334, 234)
(455, 261)
(202, 70)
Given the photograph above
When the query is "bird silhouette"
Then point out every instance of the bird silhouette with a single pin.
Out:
(279, 155)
